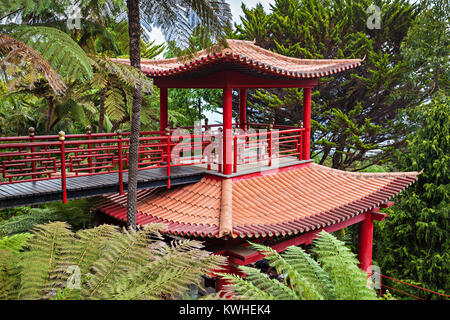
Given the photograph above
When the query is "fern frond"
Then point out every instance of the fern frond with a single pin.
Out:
(15, 243)
(349, 281)
(277, 289)
(41, 275)
(57, 47)
(114, 103)
(311, 270)
(242, 289)
(125, 252)
(305, 289)
(9, 275)
(16, 52)
(172, 269)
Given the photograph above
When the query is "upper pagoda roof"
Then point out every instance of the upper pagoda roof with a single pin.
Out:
(245, 54)
(286, 202)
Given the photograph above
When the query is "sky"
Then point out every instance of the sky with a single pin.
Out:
(235, 11)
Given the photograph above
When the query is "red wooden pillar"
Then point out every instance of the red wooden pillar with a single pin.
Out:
(365, 243)
(242, 108)
(227, 131)
(163, 113)
(306, 123)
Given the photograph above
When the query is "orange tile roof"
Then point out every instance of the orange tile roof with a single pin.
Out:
(246, 53)
(287, 202)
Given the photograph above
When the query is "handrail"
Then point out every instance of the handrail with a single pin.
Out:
(35, 158)
(405, 283)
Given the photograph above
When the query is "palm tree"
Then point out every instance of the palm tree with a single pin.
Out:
(177, 20)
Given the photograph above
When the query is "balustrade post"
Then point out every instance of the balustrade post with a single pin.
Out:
(89, 134)
(168, 157)
(269, 136)
(300, 140)
(235, 139)
(63, 165)
(31, 133)
(119, 147)
(220, 153)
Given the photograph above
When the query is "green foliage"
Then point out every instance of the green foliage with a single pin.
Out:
(335, 274)
(57, 47)
(76, 212)
(111, 264)
(414, 242)
(354, 112)
(14, 243)
(427, 50)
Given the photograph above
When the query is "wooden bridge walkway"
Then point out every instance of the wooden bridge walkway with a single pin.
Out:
(36, 192)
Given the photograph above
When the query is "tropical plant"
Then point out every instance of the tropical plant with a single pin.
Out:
(102, 263)
(177, 20)
(77, 213)
(415, 239)
(333, 275)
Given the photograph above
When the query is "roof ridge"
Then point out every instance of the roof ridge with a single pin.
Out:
(367, 174)
(226, 209)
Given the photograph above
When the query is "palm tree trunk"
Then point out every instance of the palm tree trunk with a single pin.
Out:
(51, 107)
(101, 111)
(134, 30)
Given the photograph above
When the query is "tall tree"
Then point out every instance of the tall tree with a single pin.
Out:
(427, 51)
(354, 112)
(177, 20)
(415, 237)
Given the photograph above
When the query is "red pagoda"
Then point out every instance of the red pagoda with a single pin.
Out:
(224, 183)
(243, 195)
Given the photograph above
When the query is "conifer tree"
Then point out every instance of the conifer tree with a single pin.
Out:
(414, 240)
(354, 112)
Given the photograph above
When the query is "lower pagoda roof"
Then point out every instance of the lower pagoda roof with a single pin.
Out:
(287, 201)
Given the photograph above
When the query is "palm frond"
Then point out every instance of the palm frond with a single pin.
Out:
(15, 52)
(57, 47)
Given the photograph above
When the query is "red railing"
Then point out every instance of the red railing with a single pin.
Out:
(266, 145)
(382, 284)
(35, 158)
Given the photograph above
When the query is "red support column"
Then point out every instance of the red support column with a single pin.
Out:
(227, 131)
(365, 242)
(306, 123)
(242, 108)
(163, 107)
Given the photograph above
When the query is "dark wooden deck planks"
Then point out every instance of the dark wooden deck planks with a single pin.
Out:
(23, 193)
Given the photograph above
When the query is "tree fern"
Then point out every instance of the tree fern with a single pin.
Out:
(335, 274)
(57, 47)
(125, 252)
(183, 263)
(349, 281)
(15, 243)
(41, 265)
(15, 52)
(111, 264)
(9, 275)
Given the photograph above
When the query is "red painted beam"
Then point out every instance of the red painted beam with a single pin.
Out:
(305, 238)
(233, 79)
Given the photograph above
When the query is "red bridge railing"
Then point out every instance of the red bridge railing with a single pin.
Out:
(382, 284)
(36, 158)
